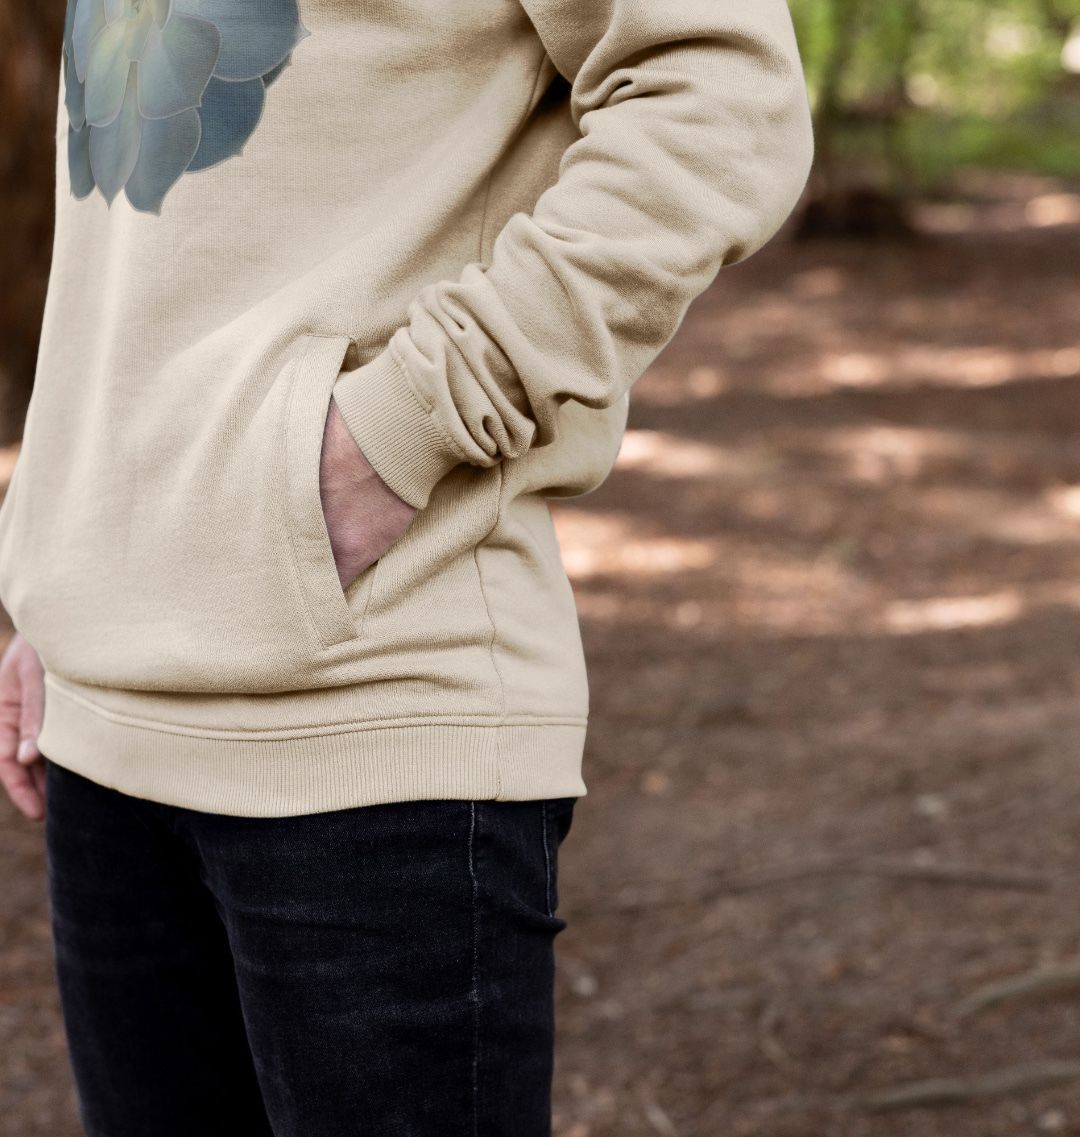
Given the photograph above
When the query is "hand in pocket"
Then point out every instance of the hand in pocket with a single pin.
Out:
(364, 516)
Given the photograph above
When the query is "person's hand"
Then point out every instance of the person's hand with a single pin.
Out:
(364, 516)
(22, 705)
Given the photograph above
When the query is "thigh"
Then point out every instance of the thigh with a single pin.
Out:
(395, 964)
(515, 864)
(148, 994)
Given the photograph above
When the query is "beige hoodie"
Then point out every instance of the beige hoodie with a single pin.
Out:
(474, 225)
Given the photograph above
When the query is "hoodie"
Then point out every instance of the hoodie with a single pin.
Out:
(473, 225)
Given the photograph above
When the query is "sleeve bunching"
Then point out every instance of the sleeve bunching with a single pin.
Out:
(695, 144)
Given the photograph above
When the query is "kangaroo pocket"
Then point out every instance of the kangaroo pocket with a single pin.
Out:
(183, 547)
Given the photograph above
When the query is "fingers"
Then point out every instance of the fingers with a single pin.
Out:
(20, 674)
(20, 785)
(31, 706)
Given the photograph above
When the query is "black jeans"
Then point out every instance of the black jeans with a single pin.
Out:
(383, 971)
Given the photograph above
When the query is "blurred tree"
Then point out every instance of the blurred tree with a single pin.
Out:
(30, 36)
(1057, 18)
(904, 92)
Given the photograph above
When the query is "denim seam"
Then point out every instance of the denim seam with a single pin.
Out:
(547, 859)
(474, 994)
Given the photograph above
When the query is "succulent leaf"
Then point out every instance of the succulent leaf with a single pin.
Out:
(270, 76)
(168, 145)
(256, 35)
(73, 95)
(230, 112)
(87, 21)
(114, 149)
(79, 171)
(138, 30)
(69, 27)
(154, 88)
(176, 65)
(106, 75)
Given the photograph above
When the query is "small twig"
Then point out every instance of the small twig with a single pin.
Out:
(963, 874)
(958, 1091)
(663, 893)
(1052, 979)
(769, 1019)
(659, 1120)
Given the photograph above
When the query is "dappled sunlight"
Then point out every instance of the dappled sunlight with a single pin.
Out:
(1037, 204)
(820, 283)
(942, 613)
(666, 455)
(877, 459)
(1065, 499)
(729, 582)
(1051, 209)
(952, 311)
(706, 382)
(598, 545)
(848, 365)
(881, 454)
(625, 573)
(986, 366)
(1043, 211)
(950, 613)
(990, 514)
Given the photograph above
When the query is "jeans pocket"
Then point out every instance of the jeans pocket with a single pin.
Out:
(558, 816)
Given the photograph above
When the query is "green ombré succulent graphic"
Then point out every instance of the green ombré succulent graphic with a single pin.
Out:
(154, 88)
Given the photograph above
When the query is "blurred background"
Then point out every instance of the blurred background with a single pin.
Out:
(824, 883)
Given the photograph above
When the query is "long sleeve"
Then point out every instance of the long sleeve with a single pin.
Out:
(695, 143)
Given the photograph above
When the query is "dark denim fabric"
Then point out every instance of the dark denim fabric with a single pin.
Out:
(385, 971)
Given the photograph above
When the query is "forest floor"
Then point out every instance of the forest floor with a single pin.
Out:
(831, 605)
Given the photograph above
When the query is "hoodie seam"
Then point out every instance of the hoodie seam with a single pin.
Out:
(500, 496)
(318, 730)
(493, 640)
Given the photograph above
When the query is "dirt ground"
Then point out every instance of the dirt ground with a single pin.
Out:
(831, 602)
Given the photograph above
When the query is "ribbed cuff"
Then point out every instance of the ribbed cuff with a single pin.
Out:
(393, 428)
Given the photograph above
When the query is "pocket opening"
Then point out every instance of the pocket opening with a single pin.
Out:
(335, 613)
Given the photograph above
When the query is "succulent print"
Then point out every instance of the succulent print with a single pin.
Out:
(154, 88)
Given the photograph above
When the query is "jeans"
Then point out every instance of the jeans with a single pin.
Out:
(385, 971)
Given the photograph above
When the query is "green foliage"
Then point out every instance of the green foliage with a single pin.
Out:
(959, 57)
(936, 146)
(934, 84)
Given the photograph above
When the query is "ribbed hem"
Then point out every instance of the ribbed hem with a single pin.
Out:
(394, 429)
(249, 776)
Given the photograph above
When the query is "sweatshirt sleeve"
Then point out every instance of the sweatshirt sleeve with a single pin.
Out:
(695, 144)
